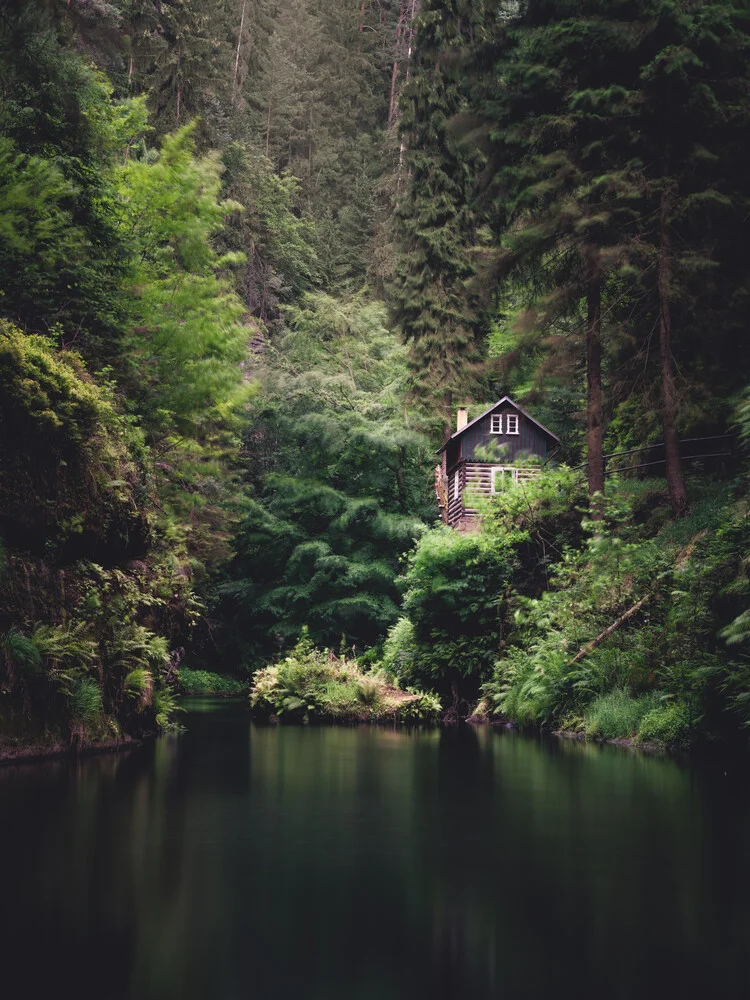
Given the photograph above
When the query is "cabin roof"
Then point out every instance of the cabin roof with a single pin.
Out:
(495, 406)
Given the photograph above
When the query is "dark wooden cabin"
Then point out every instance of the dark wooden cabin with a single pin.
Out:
(501, 448)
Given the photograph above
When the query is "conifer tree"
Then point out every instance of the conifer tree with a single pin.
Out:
(694, 109)
(438, 231)
(595, 179)
(563, 189)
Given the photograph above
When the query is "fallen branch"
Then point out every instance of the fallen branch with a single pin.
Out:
(591, 646)
(680, 561)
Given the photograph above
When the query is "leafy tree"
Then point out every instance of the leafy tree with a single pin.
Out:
(187, 341)
(62, 132)
(340, 477)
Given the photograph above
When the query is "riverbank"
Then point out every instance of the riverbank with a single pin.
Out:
(18, 752)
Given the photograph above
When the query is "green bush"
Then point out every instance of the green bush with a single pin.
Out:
(313, 683)
(205, 682)
(139, 686)
(86, 702)
(618, 715)
(668, 724)
(525, 687)
(165, 709)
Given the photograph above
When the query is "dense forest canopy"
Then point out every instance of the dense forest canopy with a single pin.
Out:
(254, 255)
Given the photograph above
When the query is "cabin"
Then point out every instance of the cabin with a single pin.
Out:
(502, 448)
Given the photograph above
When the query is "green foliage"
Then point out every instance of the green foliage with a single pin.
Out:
(438, 231)
(528, 684)
(609, 130)
(223, 418)
(315, 684)
(187, 341)
(20, 652)
(165, 708)
(62, 132)
(400, 648)
(663, 659)
(618, 715)
(86, 702)
(457, 586)
(132, 644)
(341, 480)
(671, 724)
(138, 686)
(197, 682)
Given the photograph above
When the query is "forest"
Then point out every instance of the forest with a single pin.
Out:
(255, 255)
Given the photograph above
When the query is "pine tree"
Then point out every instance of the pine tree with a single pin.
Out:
(438, 232)
(603, 118)
(563, 189)
(694, 111)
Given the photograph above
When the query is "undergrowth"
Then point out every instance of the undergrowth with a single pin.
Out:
(205, 682)
(314, 684)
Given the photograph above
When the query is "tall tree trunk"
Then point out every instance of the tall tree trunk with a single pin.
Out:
(268, 125)
(179, 83)
(675, 478)
(361, 26)
(237, 55)
(413, 11)
(594, 380)
(447, 416)
(397, 57)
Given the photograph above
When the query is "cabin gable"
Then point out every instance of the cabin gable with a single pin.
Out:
(503, 446)
(516, 438)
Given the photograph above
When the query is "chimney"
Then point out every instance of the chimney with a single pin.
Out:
(462, 419)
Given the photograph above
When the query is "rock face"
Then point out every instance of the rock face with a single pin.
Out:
(82, 593)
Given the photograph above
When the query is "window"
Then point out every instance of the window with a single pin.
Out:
(496, 423)
(511, 424)
(503, 479)
(456, 484)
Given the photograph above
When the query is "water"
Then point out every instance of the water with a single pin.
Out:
(242, 862)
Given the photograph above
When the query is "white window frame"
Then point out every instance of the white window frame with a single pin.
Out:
(503, 469)
(456, 484)
(516, 424)
(496, 429)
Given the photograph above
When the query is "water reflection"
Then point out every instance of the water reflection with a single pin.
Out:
(241, 861)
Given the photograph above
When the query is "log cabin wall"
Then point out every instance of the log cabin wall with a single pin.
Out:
(472, 480)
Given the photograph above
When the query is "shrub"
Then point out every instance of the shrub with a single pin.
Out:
(617, 715)
(165, 709)
(197, 682)
(86, 702)
(312, 683)
(139, 686)
(528, 685)
(669, 725)
(20, 652)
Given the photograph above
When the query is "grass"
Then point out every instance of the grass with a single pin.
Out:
(618, 715)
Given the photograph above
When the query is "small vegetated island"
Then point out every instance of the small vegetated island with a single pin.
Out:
(374, 362)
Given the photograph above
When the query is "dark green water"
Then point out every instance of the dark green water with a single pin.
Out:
(243, 862)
